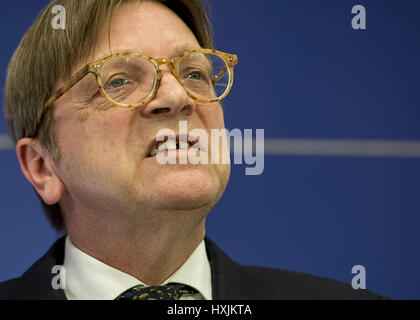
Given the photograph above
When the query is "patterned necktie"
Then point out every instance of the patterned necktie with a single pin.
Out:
(170, 291)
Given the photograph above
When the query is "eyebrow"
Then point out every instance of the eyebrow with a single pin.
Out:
(180, 49)
(177, 49)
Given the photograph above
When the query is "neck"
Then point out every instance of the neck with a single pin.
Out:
(150, 251)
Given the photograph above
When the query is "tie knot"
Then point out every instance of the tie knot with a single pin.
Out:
(170, 291)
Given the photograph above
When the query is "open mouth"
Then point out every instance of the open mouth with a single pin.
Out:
(170, 144)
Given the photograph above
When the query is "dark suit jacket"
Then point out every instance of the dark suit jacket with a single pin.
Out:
(230, 280)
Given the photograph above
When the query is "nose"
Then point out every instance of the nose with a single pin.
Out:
(171, 99)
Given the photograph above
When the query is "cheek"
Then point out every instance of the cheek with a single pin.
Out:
(211, 115)
(92, 129)
(93, 168)
(94, 144)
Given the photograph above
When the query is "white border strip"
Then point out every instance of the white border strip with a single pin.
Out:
(320, 147)
(5, 142)
(349, 148)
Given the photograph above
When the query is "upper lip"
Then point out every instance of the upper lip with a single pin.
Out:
(193, 140)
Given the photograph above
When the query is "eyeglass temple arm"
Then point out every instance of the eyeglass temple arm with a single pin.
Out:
(233, 60)
(73, 80)
(219, 75)
(67, 86)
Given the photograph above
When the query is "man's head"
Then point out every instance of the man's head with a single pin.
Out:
(92, 157)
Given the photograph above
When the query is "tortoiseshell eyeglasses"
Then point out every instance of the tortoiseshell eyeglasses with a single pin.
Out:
(130, 79)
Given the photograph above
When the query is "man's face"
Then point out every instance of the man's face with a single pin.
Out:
(104, 164)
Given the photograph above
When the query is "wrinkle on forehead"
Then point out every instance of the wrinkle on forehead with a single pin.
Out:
(158, 33)
(149, 28)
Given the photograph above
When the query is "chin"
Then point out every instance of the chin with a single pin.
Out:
(189, 189)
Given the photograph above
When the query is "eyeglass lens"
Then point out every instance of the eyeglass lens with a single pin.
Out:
(130, 80)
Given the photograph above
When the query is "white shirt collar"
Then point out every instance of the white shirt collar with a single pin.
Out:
(90, 279)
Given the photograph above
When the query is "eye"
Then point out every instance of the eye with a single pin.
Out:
(117, 83)
(195, 75)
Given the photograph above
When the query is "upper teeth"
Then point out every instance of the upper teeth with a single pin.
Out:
(170, 144)
(184, 145)
(167, 145)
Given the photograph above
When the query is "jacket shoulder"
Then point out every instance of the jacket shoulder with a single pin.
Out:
(285, 284)
(7, 288)
(232, 280)
(35, 283)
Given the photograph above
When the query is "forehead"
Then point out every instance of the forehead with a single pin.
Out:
(149, 28)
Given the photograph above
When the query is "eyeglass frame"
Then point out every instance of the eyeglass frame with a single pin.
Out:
(95, 68)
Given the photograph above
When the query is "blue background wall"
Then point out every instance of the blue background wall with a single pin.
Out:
(303, 73)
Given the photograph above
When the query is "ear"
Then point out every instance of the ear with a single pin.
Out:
(37, 166)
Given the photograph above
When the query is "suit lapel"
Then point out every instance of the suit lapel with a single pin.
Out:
(227, 276)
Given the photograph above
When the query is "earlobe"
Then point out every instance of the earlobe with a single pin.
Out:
(37, 164)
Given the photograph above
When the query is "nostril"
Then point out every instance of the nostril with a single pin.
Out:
(161, 110)
(186, 108)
